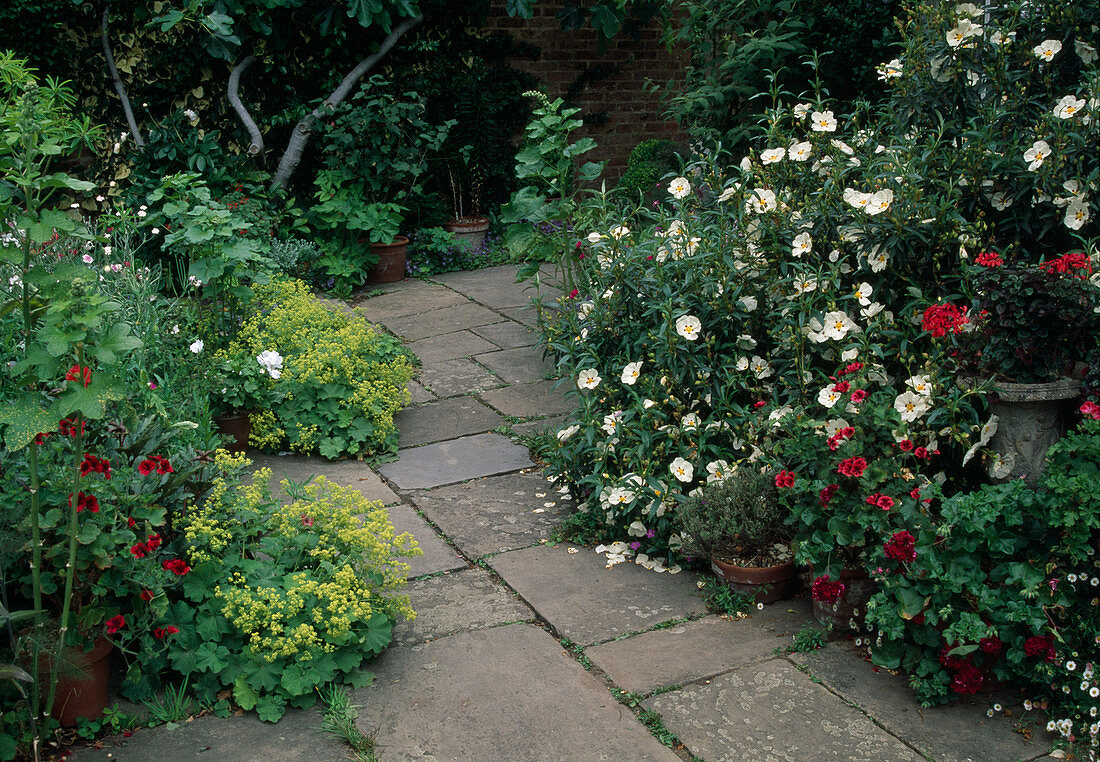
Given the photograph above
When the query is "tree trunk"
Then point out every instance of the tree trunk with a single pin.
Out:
(119, 87)
(256, 147)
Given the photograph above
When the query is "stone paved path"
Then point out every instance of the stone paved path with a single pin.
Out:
(482, 673)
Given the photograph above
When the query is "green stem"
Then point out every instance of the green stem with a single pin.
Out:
(70, 567)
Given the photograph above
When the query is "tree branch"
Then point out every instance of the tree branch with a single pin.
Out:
(304, 129)
(119, 87)
(256, 147)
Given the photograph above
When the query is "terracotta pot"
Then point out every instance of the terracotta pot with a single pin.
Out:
(1031, 419)
(766, 584)
(83, 693)
(391, 261)
(469, 231)
(237, 427)
(852, 606)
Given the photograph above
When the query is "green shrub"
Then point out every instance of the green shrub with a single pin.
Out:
(733, 516)
(649, 161)
(342, 380)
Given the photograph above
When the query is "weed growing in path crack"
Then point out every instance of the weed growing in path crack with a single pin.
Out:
(809, 638)
(172, 705)
(339, 721)
(723, 599)
(578, 652)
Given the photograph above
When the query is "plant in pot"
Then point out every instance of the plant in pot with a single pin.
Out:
(738, 524)
(242, 383)
(468, 225)
(1027, 337)
(375, 153)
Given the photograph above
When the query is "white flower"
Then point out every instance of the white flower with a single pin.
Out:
(863, 293)
(1068, 106)
(631, 372)
(968, 9)
(594, 237)
(1000, 200)
(87, 259)
(801, 110)
(175, 329)
(799, 151)
(611, 422)
(871, 310)
(760, 367)
(682, 470)
(802, 244)
(963, 31)
(679, 188)
(742, 364)
(197, 346)
(619, 231)
(828, 397)
(727, 194)
(748, 302)
(911, 406)
(761, 200)
(842, 146)
(804, 284)
(834, 425)
(823, 121)
(1000, 38)
(1046, 50)
(271, 361)
(877, 260)
(1071, 665)
(1077, 214)
(890, 70)
(837, 324)
(567, 432)
(688, 327)
(588, 379)
(584, 309)
(879, 201)
(689, 422)
(1085, 51)
(855, 198)
(717, 470)
(746, 342)
(920, 384)
(772, 155)
(194, 281)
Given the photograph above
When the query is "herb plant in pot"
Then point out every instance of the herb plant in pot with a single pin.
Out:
(375, 153)
(1029, 334)
(738, 524)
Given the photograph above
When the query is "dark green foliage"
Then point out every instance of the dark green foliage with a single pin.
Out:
(723, 599)
(738, 515)
(809, 639)
(650, 161)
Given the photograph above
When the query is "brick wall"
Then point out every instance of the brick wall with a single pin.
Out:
(632, 113)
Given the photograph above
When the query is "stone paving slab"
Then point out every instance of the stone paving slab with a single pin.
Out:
(518, 366)
(771, 712)
(346, 473)
(445, 320)
(454, 461)
(955, 732)
(531, 400)
(411, 300)
(587, 603)
(445, 419)
(505, 693)
(695, 650)
(495, 514)
(545, 426)
(525, 315)
(507, 335)
(458, 602)
(448, 378)
(448, 346)
(419, 393)
(296, 737)
(493, 286)
(438, 556)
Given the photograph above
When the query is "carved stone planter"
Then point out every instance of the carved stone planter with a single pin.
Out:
(1031, 419)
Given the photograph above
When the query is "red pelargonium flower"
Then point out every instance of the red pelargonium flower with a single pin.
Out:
(66, 428)
(115, 624)
(826, 590)
(915, 493)
(93, 465)
(968, 679)
(1068, 263)
(784, 479)
(841, 387)
(130, 522)
(942, 319)
(177, 566)
(990, 645)
(307, 521)
(147, 595)
(850, 368)
(153, 542)
(852, 467)
(885, 502)
(80, 375)
(83, 502)
(858, 396)
(1090, 409)
(906, 445)
(1037, 645)
(989, 259)
(160, 633)
(157, 463)
(139, 550)
(921, 453)
(574, 294)
(826, 495)
(901, 547)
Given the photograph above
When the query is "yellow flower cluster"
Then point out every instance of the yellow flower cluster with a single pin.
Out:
(266, 431)
(209, 528)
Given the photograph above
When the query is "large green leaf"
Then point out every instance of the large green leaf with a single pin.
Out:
(244, 694)
(24, 419)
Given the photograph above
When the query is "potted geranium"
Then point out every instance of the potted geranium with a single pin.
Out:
(241, 382)
(738, 524)
(1027, 336)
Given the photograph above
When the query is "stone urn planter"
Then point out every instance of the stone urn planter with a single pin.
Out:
(390, 267)
(766, 584)
(469, 231)
(852, 606)
(1031, 419)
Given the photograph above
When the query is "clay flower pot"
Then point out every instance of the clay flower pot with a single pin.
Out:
(469, 231)
(391, 261)
(236, 426)
(83, 693)
(852, 606)
(766, 584)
